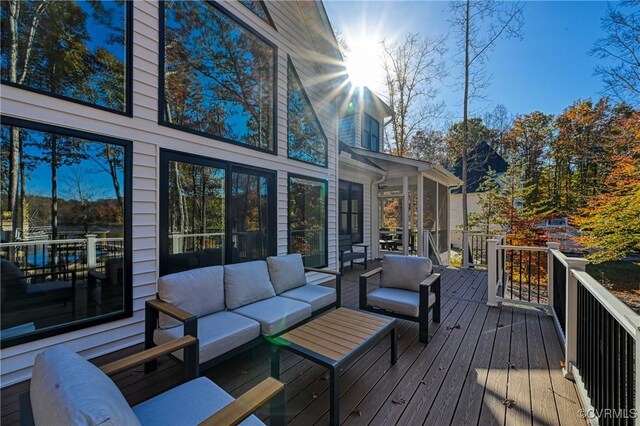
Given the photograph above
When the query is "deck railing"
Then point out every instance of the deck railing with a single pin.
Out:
(601, 335)
(474, 248)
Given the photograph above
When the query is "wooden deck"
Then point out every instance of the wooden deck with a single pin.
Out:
(482, 366)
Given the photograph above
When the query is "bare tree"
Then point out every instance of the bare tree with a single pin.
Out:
(479, 25)
(411, 68)
(622, 47)
(499, 121)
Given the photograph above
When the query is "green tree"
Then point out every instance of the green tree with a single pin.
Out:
(490, 199)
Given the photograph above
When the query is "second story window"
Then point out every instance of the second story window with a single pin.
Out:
(370, 133)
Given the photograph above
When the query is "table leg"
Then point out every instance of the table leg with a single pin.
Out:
(277, 403)
(334, 403)
(394, 347)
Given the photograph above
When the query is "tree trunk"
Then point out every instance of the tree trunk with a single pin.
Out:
(465, 127)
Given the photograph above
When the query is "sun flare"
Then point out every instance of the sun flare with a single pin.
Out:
(364, 62)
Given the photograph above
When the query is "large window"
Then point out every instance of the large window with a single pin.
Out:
(370, 133)
(217, 76)
(78, 50)
(65, 230)
(259, 8)
(308, 220)
(307, 141)
(351, 209)
(214, 213)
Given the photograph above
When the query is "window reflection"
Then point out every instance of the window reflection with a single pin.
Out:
(351, 210)
(308, 219)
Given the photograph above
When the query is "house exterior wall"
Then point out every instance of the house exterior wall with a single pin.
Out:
(455, 206)
(292, 38)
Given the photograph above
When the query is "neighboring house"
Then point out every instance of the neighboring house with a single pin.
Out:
(480, 160)
(369, 178)
(189, 159)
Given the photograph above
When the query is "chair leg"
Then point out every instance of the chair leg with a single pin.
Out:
(423, 331)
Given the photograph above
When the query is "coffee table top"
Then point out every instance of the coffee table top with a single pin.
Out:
(337, 334)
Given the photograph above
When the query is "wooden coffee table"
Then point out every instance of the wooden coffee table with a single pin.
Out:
(332, 340)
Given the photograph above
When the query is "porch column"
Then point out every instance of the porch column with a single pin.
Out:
(375, 222)
(405, 215)
(420, 189)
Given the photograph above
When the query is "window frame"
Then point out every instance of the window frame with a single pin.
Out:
(167, 155)
(366, 143)
(325, 182)
(291, 66)
(127, 311)
(161, 79)
(128, 73)
(269, 20)
(349, 211)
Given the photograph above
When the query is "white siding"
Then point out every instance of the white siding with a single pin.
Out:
(292, 38)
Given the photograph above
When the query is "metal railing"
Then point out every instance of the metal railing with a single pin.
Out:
(474, 248)
(182, 243)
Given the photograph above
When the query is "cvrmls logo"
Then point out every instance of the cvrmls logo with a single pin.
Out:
(608, 413)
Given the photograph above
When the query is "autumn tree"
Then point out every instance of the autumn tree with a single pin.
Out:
(411, 69)
(429, 145)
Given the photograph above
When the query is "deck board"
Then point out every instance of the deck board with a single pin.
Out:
(461, 377)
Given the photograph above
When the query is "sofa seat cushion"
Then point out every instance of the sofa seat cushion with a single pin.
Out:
(247, 282)
(317, 296)
(405, 272)
(276, 314)
(198, 291)
(286, 272)
(217, 333)
(66, 389)
(397, 300)
(187, 404)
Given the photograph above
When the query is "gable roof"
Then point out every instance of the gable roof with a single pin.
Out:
(479, 160)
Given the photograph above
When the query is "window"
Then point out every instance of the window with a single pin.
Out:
(351, 209)
(259, 8)
(77, 50)
(370, 133)
(65, 230)
(308, 220)
(214, 213)
(307, 141)
(218, 77)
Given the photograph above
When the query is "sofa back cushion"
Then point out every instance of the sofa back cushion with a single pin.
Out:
(405, 272)
(199, 291)
(66, 389)
(246, 283)
(286, 272)
(14, 283)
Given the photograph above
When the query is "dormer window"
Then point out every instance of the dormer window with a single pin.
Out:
(370, 133)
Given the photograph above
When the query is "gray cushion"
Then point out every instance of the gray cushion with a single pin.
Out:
(66, 389)
(276, 314)
(286, 272)
(404, 271)
(187, 404)
(198, 291)
(397, 300)
(245, 283)
(218, 333)
(317, 296)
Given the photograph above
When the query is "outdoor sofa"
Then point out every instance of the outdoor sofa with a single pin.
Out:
(231, 308)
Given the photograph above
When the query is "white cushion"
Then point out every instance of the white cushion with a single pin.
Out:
(245, 283)
(397, 300)
(317, 296)
(276, 314)
(198, 291)
(187, 404)
(286, 272)
(218, 333)
(404, 271)
(66, 389)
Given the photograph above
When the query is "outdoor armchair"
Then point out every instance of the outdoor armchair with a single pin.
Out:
(347, 252)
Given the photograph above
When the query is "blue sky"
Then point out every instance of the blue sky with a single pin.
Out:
(546, 70)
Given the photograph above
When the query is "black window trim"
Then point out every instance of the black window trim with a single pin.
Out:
(349, 211)
(128, 244)
(161, 81)
(324, 135)
(368, 117)
(128, 108)
(266, 11)
(326, 213)
(229, 167)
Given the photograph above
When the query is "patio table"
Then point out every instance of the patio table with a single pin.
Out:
(332, 340)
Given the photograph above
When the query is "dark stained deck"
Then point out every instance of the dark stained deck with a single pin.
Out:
(478, 360)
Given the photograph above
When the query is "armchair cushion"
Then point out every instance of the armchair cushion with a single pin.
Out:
(276, 314)
(218, 333)
(187, 404)
(245, 283)
(396, 300)
(286, 272)
(66, 389)
(199, 291)
(317, 296)
(405, 272)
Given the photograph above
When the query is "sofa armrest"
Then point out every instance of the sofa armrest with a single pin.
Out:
(338, 276)
(238, 410)
(430, 280)
(362, 303)
(431, 284)
(168, 309)
(323, 271)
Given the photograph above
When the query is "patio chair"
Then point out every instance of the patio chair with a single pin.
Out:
(408, 290)
(66, 389)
